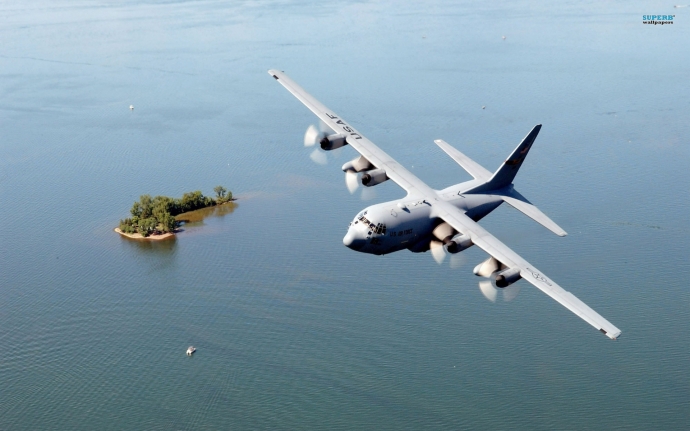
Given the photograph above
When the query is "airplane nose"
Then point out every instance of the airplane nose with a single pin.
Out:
(351, 241)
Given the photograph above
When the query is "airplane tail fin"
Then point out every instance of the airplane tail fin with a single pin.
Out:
(499, 182)
(506, 172)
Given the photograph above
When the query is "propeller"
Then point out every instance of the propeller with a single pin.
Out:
(319, 157)
(353, 180)
(440, 233)
(510, 292)
(313, 136)
(437, 251)
(490, 292)
(457, 260)
(368, 193)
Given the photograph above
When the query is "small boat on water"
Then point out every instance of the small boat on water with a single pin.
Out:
(191, 350)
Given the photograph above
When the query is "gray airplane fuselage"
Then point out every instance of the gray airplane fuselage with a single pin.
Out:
(408, 223)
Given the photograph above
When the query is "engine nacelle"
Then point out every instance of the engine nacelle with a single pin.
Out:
(459, 243)
(357, 164)
(373, 177)
(507, 277)
(332, 142)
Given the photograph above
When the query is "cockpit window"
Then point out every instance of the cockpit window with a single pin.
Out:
(379, 229)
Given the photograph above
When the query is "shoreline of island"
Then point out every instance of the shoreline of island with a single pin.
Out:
(159, 218)
(152, 237)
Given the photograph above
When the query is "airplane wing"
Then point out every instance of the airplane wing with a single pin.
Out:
(442, 209)
(376, 156)
(490, 244)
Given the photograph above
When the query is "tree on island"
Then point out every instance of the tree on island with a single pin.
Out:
(222, 194)
(157, 214)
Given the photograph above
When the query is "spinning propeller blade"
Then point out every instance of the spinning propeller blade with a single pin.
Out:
(312, 136)
(457, 260)
(368, 193)
(490, 291)
(317, 156)
(510, 292)
(437, 251)
(352, 181)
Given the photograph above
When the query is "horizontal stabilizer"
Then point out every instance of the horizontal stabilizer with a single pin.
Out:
(472, 167)
(521, 204)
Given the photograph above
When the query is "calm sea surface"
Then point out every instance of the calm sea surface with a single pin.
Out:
(293, 330)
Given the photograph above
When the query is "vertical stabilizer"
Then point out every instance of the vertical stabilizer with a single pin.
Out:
(505, 174)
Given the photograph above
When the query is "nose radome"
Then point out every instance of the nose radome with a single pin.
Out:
(351, 241)
(348, 238)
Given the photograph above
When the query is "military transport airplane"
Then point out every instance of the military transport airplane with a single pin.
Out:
(440, 220)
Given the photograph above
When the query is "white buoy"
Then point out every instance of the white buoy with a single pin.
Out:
(504, 38)
(131, 107)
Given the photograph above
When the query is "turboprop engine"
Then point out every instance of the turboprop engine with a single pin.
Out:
(331, 142)
(500, 274)
(327, 140)
(507, 277)
(447, 240)
(353, 173)
(458, 243)
(373, 177)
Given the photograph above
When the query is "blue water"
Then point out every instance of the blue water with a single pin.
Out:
(293, 330)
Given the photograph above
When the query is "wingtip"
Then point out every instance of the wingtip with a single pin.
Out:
(612, 335)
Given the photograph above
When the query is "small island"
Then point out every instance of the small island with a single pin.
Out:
(156, 218)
